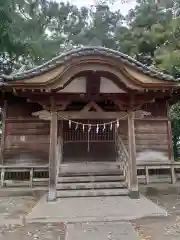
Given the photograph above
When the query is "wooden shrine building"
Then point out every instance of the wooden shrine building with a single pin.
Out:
(90, 105)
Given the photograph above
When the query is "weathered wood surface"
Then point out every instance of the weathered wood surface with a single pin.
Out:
(156, 165)
(172, 166)
(28, 128)
(19, 169)
(170, 142)
(159, 129)
(27, 141)
(31, 148)
(4, 132)
(150, 135)
(33, 181)
(52, 153)
(132, 156)
(19, 108)
(83, 115)
(22, 166)
(82, 145)
(157, 108)
(29, 135)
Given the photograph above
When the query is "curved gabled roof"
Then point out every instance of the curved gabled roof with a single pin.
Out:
(87, 51)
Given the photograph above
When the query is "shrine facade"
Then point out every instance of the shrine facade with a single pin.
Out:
(90, 105)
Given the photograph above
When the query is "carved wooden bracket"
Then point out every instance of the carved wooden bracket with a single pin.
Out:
(43, 114)
(141, 114)
(92, 105)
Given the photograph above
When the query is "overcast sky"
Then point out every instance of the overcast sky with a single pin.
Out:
(124, 7)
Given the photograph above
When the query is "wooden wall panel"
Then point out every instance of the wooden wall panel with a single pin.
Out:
(152, 143)
(27, 140)
(28, 128)
(22, 109)
(151, 140)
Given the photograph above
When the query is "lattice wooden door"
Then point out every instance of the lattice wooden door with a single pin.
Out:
(87, 145)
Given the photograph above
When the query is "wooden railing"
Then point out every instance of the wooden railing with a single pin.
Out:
(171, 166)
(123, 159)
(24, 174)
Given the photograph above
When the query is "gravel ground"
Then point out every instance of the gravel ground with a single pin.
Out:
(14, 207)
(157, 228)
(162, 228)
(33, 231)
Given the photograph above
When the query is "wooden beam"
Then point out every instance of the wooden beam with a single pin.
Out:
(92, 84)
(134, 193)
(43, 97)
(52, 153)
(82, 115)
(3, 135)
(94, 115)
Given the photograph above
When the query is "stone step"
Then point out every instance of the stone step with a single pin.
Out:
(90, 185)
(86, 179)
(92, 193)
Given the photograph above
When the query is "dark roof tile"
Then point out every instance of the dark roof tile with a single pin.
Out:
(87, 51)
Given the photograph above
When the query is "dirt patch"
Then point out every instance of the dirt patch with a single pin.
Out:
(163, 228)
(34, 231)
(15, 203)
(15, 207)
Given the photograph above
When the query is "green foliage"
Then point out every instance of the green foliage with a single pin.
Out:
(35, 31)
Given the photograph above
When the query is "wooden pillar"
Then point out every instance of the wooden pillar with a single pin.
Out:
(133, 191)
(52, 153)
(170, 138)
(3, 135)
(60, 146)
(170, 142)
